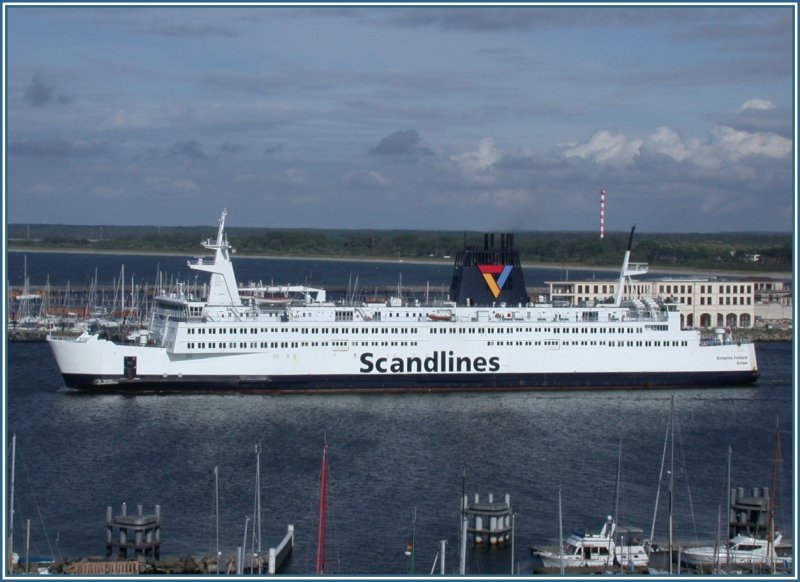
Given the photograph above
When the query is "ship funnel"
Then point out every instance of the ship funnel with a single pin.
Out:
(488, 276)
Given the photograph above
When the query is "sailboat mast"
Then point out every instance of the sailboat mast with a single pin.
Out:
(671, 475)
(728, 512)
(11, 505)
(413, 549)
(323, 501)
(462, 567)
(560, 536)
(257, 523)
(216, 511)
(660, 479)
(619, 477)
(772, 495)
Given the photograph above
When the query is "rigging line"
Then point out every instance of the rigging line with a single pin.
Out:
(688, 487)
(210, 524)
(36, 503)
(660, 479)
(331, 522)
(615, 513)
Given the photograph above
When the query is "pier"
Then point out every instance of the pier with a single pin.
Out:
(139, 533)
(490, 520)
(278, 555)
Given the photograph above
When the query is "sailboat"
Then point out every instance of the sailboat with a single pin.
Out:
(748, 550)
(652, 548)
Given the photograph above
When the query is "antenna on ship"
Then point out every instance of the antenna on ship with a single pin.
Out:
(628, 270)
(221, 231)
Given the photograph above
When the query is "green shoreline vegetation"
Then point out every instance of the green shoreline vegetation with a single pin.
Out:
(746, 252)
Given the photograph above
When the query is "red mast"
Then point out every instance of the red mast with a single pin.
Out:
(323, 508)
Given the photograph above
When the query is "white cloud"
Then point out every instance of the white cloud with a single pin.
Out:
(723, 145)
(369, 178)
(668, 142)
(757, 104)
(738, 144)
(477, 165)
(605, 147)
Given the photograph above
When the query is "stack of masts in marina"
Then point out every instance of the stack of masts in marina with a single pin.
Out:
(490, 520)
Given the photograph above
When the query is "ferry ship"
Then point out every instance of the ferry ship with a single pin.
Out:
(488, 336)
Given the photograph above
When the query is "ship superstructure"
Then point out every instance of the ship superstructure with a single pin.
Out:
(489, 336)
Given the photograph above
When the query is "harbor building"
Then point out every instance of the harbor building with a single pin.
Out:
(703, 302)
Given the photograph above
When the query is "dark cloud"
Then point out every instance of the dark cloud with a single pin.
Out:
(776, 120)
(191, 149)
(229, 148)
(57, 148)
(41, 92)
(273, 149)
(709, 73)
(400, 143)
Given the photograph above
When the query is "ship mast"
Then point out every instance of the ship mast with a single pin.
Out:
(222, 289)
(771, 539)
(628, 270)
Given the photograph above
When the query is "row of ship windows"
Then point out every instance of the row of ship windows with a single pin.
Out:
(481, 330)
(280, 345)
(433, 330)
(619, 344)
(302, 330)
(344, 344)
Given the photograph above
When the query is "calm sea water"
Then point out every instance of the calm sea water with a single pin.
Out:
(391, 456)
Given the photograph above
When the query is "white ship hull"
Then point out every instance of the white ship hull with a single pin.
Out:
(438, 362)
(230, 342)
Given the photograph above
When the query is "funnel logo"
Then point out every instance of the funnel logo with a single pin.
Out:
(495, 277)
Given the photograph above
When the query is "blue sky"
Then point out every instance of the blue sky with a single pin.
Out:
(454, 118)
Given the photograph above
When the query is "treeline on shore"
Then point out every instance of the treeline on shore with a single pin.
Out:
(745, 251)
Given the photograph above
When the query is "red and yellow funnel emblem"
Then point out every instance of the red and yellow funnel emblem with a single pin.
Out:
(495, 277)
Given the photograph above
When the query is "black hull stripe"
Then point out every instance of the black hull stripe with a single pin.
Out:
(408, 383)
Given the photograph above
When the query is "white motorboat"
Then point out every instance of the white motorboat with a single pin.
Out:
(741, 550)
(586, 551)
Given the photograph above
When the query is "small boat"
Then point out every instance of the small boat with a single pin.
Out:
(273, 301)
(741, 550)
(442, 316)
(586, 552)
